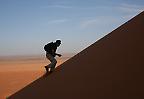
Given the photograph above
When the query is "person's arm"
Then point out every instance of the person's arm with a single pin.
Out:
(58, 54)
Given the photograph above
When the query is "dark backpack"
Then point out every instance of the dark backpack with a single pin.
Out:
(48, 46)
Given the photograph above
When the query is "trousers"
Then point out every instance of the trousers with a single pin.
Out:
(52, 60)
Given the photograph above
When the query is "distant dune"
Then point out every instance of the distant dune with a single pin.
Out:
(111, 68)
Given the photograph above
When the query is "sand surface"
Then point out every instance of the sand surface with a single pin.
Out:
(17, 72)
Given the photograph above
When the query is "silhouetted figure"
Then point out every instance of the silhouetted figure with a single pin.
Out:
(50, 49)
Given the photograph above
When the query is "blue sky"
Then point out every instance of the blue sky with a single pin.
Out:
(27, 25)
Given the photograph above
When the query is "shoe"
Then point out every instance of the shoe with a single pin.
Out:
(51, 70)
(46, 68)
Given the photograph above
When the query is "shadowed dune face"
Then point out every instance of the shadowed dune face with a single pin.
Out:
(110, 68)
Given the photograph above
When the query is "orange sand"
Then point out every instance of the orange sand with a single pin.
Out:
(17, 72)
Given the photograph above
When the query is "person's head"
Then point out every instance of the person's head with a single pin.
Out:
(58, 42)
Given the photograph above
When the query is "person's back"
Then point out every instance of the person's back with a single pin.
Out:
(50, 48)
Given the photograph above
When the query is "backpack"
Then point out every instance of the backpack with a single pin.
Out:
(48, 46)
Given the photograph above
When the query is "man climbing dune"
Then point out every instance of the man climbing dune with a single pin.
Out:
(50, 49)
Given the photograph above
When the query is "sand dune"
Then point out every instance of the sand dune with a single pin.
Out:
(18, 71)
(111, 68)
(12, 81)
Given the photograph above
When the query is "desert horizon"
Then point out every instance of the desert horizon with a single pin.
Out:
(18, 71)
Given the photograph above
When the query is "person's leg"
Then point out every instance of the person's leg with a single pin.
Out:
(52, 60)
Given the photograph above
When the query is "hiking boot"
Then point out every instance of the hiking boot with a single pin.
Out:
(51, 70)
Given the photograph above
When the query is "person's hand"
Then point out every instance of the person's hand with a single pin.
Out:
(59, 55)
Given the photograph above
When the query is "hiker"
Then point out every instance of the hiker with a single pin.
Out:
(50, 49)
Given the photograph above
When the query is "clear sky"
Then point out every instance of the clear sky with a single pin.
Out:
(27, 25)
